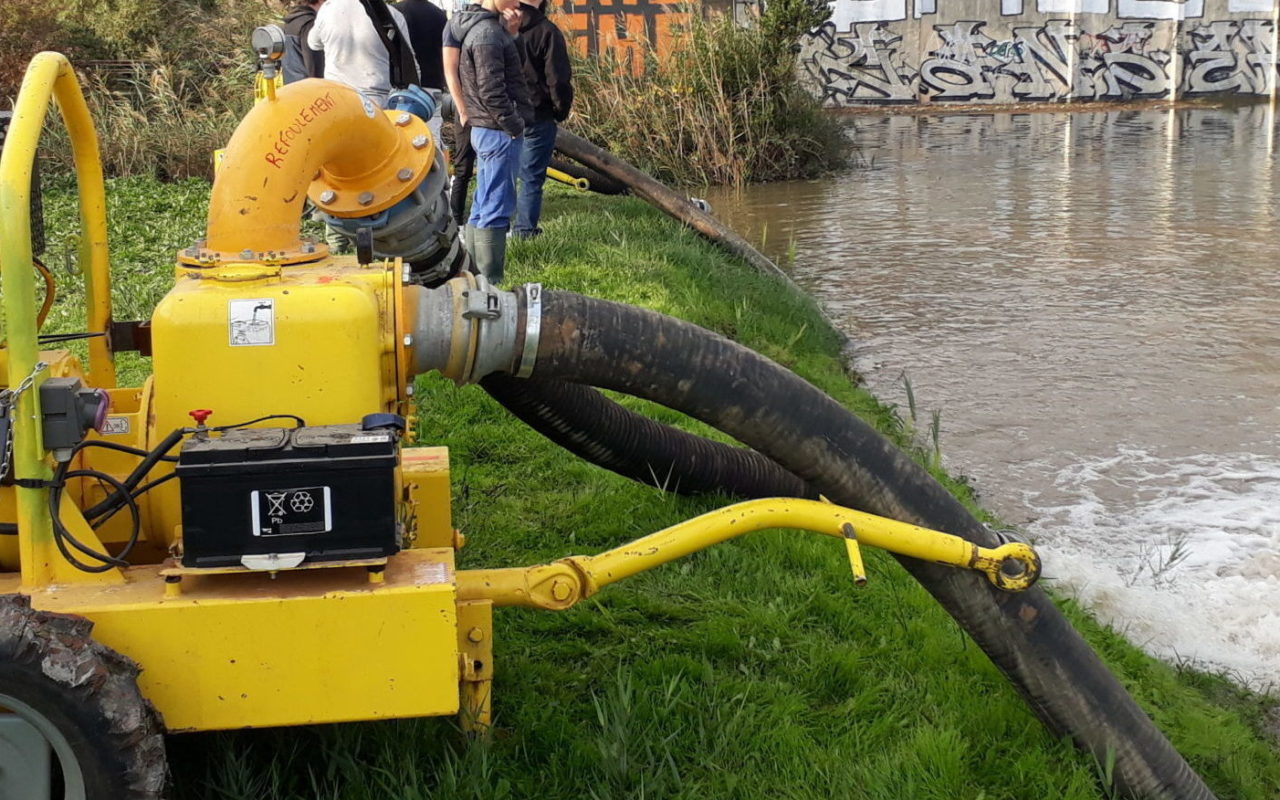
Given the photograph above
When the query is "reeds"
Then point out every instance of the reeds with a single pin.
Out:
(721, 104)
(163, 96)
(161, 118)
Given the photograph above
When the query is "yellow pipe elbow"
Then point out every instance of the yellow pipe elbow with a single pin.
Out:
(316, 138)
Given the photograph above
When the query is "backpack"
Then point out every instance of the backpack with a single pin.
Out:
(404, 69)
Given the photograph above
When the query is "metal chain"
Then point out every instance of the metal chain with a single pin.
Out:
(6, 431)
(28, 381)
(8, 406)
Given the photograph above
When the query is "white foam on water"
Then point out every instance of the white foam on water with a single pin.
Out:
(1182, 556)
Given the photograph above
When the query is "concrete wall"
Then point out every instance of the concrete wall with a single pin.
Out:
(875, 52)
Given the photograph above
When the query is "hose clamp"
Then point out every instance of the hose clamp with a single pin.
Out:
(532, 329)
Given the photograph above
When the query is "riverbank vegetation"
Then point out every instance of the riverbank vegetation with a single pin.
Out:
(722, 104)
(168, 82)
(752, 670)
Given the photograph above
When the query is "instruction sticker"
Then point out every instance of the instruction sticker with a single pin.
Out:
(251, 323)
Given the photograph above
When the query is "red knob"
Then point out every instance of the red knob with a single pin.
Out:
(200, 415)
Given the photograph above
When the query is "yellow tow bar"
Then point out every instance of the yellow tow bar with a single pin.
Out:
(1012, 567)
(581, 184)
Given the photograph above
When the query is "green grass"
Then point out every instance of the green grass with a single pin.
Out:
(752, 670)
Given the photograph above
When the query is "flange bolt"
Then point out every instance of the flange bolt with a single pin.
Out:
(328, 196)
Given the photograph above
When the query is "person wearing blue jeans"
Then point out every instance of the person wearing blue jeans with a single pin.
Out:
(495, 102)
(539, 142)
(550, 81)
(497, 162)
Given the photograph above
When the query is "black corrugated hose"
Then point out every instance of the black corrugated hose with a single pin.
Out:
(590, 425)
(776, 413)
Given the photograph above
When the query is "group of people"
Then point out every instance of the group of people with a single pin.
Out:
(506, 66)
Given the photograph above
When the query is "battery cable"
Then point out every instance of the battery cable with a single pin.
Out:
(126, 492)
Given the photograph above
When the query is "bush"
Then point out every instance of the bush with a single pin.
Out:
(162, 118)
(725, 106)
(178, 74)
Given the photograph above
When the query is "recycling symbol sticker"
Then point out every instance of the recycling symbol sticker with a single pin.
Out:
(291, 512)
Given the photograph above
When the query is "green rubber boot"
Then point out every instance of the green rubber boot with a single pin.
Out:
(490, 252)
(469, 240)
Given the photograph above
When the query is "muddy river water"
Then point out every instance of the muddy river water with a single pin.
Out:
(1092, 303)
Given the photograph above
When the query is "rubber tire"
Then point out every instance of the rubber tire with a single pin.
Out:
(89, 693)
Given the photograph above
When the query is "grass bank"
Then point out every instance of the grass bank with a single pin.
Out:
(753, 670)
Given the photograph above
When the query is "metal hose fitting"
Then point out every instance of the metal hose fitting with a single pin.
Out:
(468, 328)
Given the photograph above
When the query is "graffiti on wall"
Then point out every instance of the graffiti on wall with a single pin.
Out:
(625, 28)
(1236, 56)
(1165, 51)
(1044, 63)
(864, 66)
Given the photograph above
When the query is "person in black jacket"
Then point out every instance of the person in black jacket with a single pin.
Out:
(550, 80)
(300, 61)
(495, 102)
(425, 22)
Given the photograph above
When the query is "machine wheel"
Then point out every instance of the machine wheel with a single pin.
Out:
(83, 698)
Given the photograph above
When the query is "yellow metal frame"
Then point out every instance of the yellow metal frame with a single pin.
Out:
(49, 78)
(292, 648)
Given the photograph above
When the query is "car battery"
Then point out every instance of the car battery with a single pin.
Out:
(276, 497)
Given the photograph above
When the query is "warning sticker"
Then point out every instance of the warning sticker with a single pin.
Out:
(251, 322)
(114, 426)
(290, 512)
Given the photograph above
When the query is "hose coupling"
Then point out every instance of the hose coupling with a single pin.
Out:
(468, 328)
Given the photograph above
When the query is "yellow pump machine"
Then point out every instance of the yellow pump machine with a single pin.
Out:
(211, 549)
